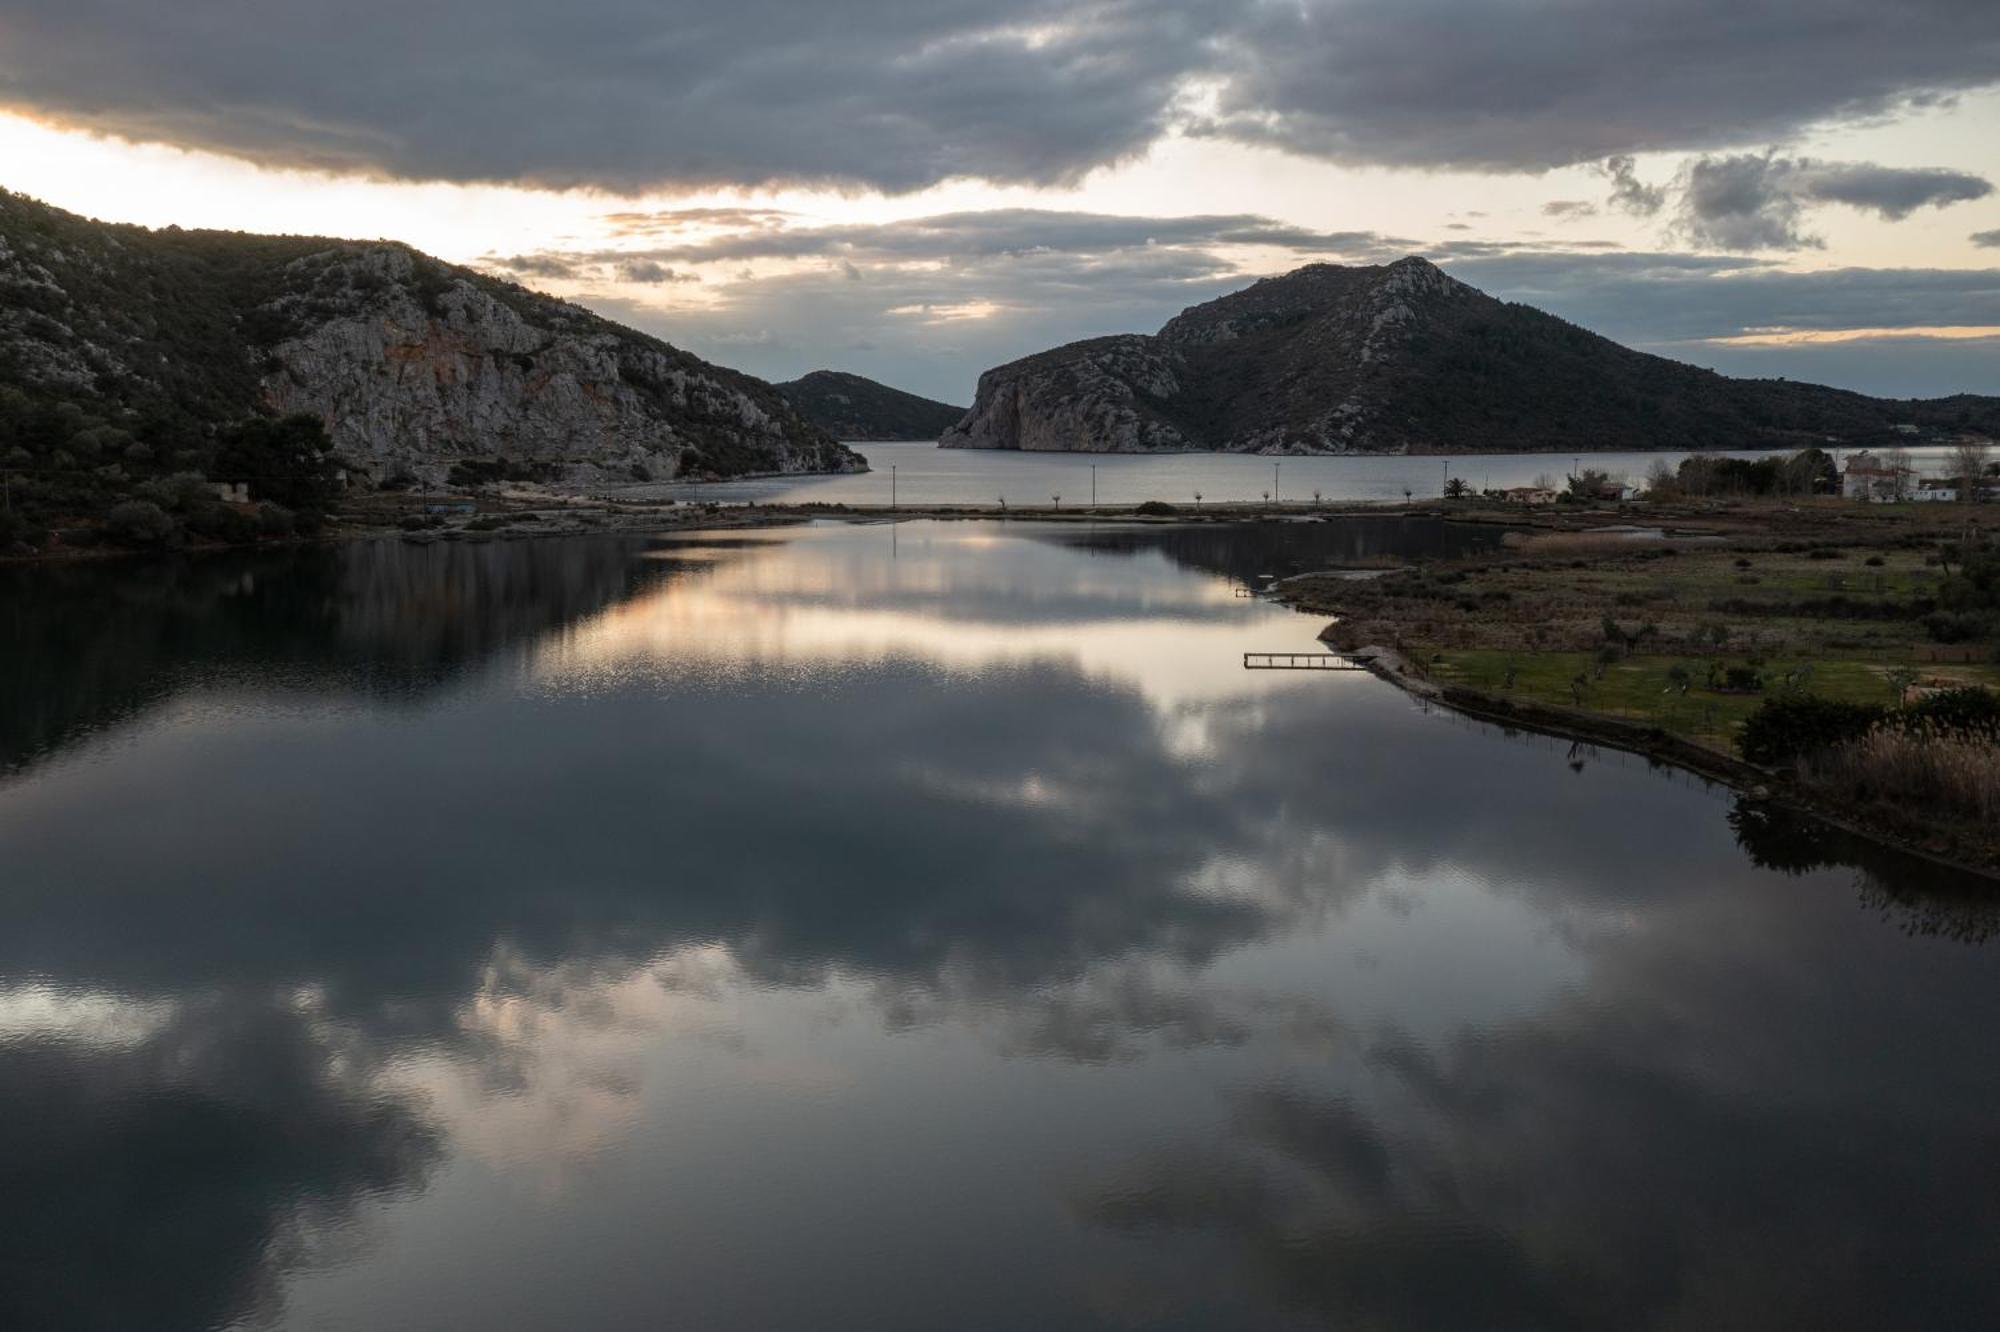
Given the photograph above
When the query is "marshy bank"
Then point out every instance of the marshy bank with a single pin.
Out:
(1678, 646)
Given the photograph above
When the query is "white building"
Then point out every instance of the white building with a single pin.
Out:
(1876, 479)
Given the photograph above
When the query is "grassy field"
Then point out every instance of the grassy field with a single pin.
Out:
(1653, 631)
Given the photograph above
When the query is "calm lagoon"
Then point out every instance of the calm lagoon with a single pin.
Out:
(922, 925)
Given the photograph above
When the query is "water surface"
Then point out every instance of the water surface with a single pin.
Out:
(921, 926)
(926, 474)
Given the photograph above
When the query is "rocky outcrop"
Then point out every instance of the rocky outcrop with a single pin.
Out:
(408, 379)
(1400, 358)
(852, 407)
(413, 365)
(1108, 395)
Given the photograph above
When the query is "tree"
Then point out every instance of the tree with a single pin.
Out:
(1968, 464)
(1900, 472)
(1588, 483)
(286, 461)
(1661, 480)
(1453, 489)
(1820, 472)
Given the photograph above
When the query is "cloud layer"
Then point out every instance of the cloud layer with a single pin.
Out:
(625, 94)
(1757, 202)
(928, 302)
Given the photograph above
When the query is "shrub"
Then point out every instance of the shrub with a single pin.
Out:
(139, 523)
(183, 492)
(1968, 710)
(1157, 509)
(1958, 626)
(1742, 680)
(221, 522)
(1783, 730)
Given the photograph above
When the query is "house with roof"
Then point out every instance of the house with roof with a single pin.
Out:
(1876, 479)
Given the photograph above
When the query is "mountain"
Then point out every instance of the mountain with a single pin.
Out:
(130, 347)
(850, 407)
(1403, 358)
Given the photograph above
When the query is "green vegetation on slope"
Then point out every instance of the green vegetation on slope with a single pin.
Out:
(851, 407)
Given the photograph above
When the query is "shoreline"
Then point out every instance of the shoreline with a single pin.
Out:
(1450, 644)
(1760, 786)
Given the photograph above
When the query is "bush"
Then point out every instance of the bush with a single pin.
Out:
(1742, 680)
(183, 492)
(1958, 626)
(1784, 730)
(222, 522)
(1968, 710)
(139, 523)
(1157, 509)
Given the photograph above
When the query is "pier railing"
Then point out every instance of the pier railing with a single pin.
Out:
(1298, 661)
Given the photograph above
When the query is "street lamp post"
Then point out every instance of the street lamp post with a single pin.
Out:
(1093, 485)
(1274, 483)
(892, 488)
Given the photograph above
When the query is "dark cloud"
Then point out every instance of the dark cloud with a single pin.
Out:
(1568, 208)
(1443, 83)
(1987, 239)
(648, 272)
(624, 94)
(1756, 201)
(538, 266)
(1628, 192)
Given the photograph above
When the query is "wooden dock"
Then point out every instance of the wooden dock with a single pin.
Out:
(1298, 661)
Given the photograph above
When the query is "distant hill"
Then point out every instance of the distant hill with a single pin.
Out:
(850, 407)
(1403, 358)
(128, 349)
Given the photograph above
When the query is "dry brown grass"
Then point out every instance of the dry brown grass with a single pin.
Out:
(1921, 771)
(1578, 545)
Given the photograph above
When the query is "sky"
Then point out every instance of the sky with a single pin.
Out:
(919, 191)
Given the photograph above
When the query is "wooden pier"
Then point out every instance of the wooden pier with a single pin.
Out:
(1298, 661)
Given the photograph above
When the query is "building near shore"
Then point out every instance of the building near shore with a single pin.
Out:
(1877, 479)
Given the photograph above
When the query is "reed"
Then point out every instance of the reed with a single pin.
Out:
(1921, 770)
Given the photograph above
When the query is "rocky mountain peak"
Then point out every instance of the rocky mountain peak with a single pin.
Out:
(1402, 356)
